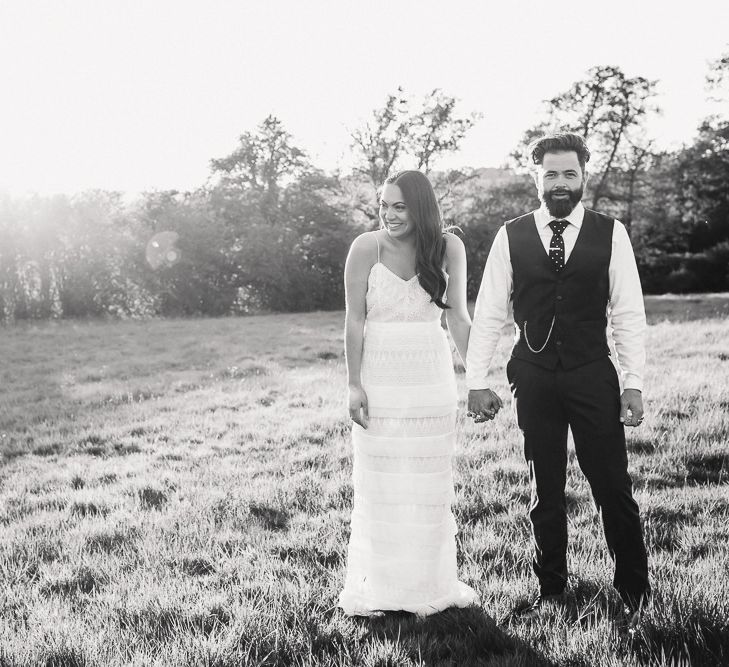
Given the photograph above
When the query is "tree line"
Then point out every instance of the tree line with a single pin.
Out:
(269, 231)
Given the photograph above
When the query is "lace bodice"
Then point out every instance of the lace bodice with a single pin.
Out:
(392, 299)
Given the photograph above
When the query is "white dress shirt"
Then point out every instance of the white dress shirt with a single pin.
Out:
(625, 311)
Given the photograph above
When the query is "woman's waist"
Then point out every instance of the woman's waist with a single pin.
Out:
(413, 334)
(386, 327)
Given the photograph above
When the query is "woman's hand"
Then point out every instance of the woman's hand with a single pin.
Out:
(358, 405)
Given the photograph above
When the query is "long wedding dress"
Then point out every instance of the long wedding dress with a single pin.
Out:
(402, 548)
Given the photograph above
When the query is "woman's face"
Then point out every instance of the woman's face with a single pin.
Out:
(394, 213)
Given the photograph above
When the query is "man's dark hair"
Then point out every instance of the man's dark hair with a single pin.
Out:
(560, 142)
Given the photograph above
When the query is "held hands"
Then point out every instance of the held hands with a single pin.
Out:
(358, 405)
(483, 405)
(631, 407)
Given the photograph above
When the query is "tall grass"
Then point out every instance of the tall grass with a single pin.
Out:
(178, 493)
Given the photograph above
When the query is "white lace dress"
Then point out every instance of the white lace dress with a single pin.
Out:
(402, 548)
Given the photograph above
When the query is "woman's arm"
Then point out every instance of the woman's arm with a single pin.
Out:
(459, 321)
(360, 259)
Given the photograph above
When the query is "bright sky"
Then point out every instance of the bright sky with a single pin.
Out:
(140, 94)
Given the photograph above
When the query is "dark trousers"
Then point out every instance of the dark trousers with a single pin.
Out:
(587, 399)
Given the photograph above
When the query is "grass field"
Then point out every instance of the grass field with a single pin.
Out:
(178, 493)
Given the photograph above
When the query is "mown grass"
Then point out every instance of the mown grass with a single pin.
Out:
(178, 493)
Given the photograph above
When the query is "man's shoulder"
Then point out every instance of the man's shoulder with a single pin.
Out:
(601, 218)
(522, 219)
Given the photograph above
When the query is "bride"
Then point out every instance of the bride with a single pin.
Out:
(402, 401)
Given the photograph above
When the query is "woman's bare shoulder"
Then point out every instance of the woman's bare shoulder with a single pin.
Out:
(364, 245)
(454, 244)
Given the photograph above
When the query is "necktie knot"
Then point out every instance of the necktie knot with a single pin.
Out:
(558, 226)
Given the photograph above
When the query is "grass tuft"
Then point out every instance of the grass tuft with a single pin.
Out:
(151, 498)
(269, 517)
(111, 540)
(50, 449)
(81, 508)
(310, 555)
(82, 579)
(63, 656)
(124, 449)
(197, 566)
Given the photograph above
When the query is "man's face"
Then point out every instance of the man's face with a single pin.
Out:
(560, 182)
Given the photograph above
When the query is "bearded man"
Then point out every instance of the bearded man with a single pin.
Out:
(565, 269)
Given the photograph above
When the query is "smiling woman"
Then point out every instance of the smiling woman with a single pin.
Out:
(410, 214)
(402, 401)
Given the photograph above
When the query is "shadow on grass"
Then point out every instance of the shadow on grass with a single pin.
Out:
(641, 445)
(662, 527)
(270, 517)
(477, 508)
(585, 602)
(62, 655)
(456, 637)
(699, 469)
(677, 630)
(683, 632)
(708, 469)
(307, 555)
(82, 580)
(157, 623)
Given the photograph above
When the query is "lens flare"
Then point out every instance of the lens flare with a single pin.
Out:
(161, 250)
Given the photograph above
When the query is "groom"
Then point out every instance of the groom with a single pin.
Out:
(563, 268)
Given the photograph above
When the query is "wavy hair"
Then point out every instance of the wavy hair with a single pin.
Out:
(559, 142)
(430, 244)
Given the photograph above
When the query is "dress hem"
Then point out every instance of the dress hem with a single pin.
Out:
(360, 605)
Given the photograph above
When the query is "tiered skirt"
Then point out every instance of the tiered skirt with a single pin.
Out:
(402, 548)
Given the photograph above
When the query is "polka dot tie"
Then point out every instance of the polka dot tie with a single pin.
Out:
(556, 245)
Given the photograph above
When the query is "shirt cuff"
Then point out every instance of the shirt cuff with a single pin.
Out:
(473, 385)
(631, 381)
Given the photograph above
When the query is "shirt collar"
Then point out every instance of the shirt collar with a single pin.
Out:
(543, 217)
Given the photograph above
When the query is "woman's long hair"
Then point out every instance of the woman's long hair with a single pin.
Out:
(430, 244)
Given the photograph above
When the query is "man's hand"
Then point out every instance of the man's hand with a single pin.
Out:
(483, 405)
(631, 407)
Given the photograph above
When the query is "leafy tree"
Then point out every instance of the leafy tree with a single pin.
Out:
(202, 278)
(404, 131)
(610, 111)
(257, 168)
(481, 207)
(703, 184)
(703, 169)
(717, 79)
(100, 272)
(383, 139)
(298, 264)
(30, 256)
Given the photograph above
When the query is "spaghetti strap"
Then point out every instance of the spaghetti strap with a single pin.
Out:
(378, 248)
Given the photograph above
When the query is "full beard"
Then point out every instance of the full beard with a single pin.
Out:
(561, 208)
